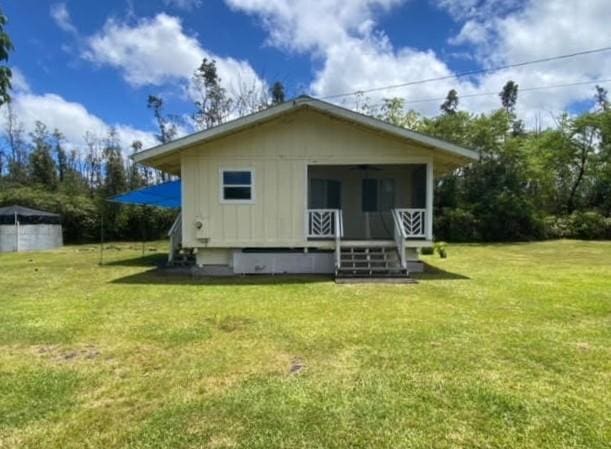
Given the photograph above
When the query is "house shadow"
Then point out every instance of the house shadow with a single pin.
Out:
(433, 273)
(164, 276)
(150, 260)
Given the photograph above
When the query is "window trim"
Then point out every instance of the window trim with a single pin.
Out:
(222, 185)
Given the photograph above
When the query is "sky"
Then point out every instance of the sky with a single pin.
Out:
(82, 66)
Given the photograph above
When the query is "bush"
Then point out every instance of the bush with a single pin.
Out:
(457, 225)
(440, 247)
(80, 215)
(578, 225)
(590, 226)
(427, 250)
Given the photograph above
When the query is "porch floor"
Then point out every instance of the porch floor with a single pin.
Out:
(330, 243)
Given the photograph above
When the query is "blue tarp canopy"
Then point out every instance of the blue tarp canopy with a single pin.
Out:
(160, 195)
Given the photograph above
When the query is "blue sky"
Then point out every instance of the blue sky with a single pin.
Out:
(83, 65)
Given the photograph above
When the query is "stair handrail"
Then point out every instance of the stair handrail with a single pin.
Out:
(175, 234)
(339, 233)
(400, 236)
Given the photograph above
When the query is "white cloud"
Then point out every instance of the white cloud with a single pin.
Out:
(18, 81)
(71, 118)
(472, 32)
(311, 25)
(355, 54)
(61, 16)
(187, 5)
(156, 51)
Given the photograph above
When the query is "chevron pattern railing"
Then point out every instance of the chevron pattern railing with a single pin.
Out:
(321, 223)
(413, 222)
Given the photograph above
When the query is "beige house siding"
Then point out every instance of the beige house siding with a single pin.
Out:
(279, 152)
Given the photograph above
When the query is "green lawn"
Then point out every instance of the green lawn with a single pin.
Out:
(503, 346)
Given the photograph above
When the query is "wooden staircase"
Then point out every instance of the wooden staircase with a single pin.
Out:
(370, 263)
(182, 257)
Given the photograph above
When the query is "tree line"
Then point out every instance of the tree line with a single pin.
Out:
(41, 169)
(528, 184)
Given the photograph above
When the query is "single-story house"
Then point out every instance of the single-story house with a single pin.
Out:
(306, 187)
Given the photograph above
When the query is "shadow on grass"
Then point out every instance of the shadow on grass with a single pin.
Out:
(432, 273)
(150, 260)
(173, 277)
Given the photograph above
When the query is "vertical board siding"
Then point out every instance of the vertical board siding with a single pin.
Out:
(279, 152)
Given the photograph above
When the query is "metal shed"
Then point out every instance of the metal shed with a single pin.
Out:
(25, 229)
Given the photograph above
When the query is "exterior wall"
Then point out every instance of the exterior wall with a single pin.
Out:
(279, 152)
(31, 237)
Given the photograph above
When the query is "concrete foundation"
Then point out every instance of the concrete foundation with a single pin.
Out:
(283, 262)
(30, 237)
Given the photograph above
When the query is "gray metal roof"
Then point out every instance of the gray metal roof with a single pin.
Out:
(24, 212)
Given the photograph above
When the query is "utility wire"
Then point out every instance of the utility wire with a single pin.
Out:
(520, 90)
(467, 73)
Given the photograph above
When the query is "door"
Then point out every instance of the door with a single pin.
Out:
(377, 200)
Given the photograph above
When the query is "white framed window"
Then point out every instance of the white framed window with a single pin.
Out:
(237, 185)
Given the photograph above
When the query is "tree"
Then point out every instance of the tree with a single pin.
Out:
(601, 98)
(42, 165)
(509, 96)
(450, 105)
(167, 129)
(93, 162)
(250, 98)
(277, 92)
(115, 180)
(14, 133)
(585, 132)
(135, 176)
(6, 46)
(212, 105)
(60, 154)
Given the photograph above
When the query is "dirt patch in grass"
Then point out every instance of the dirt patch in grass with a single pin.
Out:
(68, 355)
(230, 323)
(297, 366)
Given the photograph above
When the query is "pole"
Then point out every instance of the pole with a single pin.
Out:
(102, 239)
(16, 232)
(142, 228)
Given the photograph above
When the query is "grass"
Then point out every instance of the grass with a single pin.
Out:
(501, 346)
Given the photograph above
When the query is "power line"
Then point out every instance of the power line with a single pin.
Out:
(467, 73)
(520, 90)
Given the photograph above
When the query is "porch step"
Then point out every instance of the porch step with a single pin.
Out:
(373, 262)
(183, 258)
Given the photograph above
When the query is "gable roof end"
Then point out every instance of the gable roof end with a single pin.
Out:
(289, 106)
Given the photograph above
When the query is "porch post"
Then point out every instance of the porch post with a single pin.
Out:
(429, 201)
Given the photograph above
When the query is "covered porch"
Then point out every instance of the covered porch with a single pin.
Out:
(370, 201)
(359, 209)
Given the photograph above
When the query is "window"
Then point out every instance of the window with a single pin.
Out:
(237, 186)
(377, 195)
(325, 194)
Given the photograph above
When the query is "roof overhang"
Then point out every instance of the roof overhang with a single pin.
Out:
(153, 156)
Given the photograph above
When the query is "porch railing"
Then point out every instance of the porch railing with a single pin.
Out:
(175, 234)
(327, 223)
(412, 221)
(324, 223)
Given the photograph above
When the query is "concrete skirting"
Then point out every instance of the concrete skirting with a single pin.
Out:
(283, 263)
